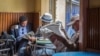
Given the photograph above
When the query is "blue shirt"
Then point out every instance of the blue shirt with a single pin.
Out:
(22, 31)
(70, 32)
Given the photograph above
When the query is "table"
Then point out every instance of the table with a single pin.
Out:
(43, 42)
(77, 54)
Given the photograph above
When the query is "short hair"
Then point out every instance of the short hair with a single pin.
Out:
(22, 19)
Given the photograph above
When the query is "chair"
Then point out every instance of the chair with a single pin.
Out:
(6, 44)
(4, 50)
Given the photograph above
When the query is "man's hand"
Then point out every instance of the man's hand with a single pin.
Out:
(32, 39)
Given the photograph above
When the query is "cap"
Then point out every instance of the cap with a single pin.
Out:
(47, 17)
(73, 20)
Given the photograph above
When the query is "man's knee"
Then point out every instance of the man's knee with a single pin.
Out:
(21, 51)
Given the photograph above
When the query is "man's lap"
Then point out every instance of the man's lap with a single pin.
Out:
(22, 47)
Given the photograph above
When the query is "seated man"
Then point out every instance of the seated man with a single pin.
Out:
(72, 41)
(75, 26)
(46, 19)
(71, 31)
(18, 31)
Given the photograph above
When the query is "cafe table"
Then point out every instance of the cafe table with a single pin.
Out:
(44, 41)
(77, 54)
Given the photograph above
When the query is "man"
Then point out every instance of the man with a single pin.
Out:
(46, 19)
(18, 31)
(71, 31)
(75, 26)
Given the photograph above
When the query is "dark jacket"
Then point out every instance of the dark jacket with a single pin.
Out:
(15, 32)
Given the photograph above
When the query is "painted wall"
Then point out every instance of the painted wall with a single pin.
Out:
(94, 3)
(37, 7)
(44, 6)
(60, 10)
(16, 5)
(41, 6)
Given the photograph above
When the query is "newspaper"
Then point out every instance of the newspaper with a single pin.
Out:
(30, 34)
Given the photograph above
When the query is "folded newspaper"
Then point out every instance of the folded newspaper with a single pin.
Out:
(30, 34)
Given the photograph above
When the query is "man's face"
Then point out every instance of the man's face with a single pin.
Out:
(44, 23)
(24, 23)
(76, 25)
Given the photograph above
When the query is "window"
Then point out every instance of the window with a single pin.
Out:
(72, 8)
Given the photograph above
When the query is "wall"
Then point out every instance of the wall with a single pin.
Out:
(44, 6)
(41, 6)
(37, 7)
(94, 3)
(60, 10)
(16, 5)
(52, 8)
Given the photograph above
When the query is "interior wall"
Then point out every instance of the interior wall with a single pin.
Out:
(61, 10)
(41, 6)
(94, 3)
(37, 7)
(44, 6)
(16, 5)
(52, 8)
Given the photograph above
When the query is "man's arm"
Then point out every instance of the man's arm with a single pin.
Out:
(38, 34)
(12, 31)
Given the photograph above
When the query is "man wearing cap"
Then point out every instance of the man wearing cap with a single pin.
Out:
(75, 30)
(18, 31)
(71, 31)
(46, 19)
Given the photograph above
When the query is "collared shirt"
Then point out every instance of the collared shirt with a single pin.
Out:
(70, 32)
(22, 31)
